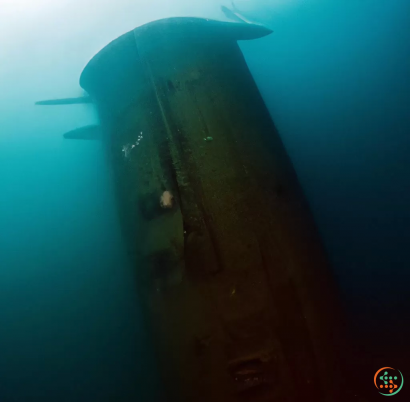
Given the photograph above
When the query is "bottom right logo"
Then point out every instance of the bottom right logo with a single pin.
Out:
(388, 381)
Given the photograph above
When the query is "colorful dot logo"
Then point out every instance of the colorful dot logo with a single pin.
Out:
(388, 381)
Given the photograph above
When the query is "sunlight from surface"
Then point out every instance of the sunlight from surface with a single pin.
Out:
(49, 39)
(25, 5)
(27, 9)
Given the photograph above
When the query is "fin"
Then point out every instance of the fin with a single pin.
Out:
(231, 15)
(241, 31)
(234, 7)
(105, 65)
(84, 133)
(66, 101)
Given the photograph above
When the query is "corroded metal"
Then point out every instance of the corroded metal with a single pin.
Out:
(232, 275)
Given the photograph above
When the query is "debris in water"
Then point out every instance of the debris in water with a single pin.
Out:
(167, 199)
(126, 149)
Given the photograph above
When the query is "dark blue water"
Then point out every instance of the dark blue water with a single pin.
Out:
(336, 78)
(337, 82)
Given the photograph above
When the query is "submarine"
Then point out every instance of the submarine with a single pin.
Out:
(235, 285)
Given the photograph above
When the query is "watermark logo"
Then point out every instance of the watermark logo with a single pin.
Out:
(388, 381)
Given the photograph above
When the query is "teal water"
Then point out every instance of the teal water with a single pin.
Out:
(336, 78)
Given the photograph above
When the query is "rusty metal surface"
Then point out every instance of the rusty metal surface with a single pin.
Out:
(232, 276)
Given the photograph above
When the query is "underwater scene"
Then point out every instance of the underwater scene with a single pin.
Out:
(204, 200)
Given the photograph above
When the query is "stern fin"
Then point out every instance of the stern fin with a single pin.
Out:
(92, 132)
(66, 101)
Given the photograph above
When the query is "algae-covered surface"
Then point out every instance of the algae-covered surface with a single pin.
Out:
(231, 274)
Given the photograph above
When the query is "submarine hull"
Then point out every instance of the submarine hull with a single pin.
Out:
(234, 282)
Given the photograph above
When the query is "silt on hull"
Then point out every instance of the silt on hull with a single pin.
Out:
(233, 279)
